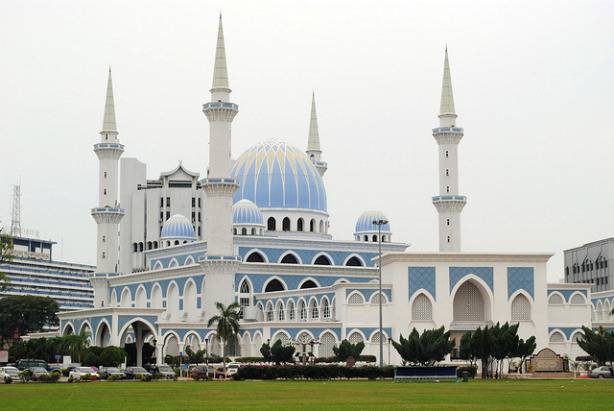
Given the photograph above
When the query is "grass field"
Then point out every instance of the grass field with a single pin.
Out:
(298, 395)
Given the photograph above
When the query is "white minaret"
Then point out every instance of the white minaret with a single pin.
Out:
(220, 262)
(108, 213)
(314, 152)
(449, 203)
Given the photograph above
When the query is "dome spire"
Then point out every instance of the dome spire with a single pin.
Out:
(313, 142)
(314, 152)
(220, 72)
(447, 112)
(108, 121)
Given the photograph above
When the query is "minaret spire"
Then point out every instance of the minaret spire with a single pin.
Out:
(220, 71)
(314, 152)
(449, 203)
(108, 121)
(447, 112)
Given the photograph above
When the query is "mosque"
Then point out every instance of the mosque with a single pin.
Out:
(255, 230)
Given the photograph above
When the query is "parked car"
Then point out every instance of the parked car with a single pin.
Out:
(136, 372)
(27, 363)
(601, 372)
(232, 368)
(38, 372)
(201, 372)
(79, 372)
(8, 372)
(166, 371)
(106, 372)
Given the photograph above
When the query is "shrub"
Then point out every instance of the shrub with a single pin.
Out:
(472, 370)
(311, 372)
(112, 356)
(347, 351)
(71, 379)
(145, 377)
(113, 378)
(25, 375)
(8, 380)
(329, 360)
(249, 359)
(156, 376)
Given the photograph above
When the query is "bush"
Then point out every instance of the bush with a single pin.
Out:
(114, 378)
(71, 379)
(311, 372)
(156, 376)
(249, 359)
(8, 380)
(145, 377)
(112, 356)
(25, 375)
(51, 377)
(329, 360)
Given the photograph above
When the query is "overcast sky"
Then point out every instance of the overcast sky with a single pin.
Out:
(532, 84)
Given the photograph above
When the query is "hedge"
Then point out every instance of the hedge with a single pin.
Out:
(361, 358)
(311, 372)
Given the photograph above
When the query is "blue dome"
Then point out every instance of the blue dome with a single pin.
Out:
(276, 175)
(178, 228)
(364, 224)
(246, 213)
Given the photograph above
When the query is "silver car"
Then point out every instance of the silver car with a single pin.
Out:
(8, 372)
(601, 372)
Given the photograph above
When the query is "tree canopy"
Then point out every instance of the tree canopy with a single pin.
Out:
(347, 350)
(598, 344)
(22, 314)
(424, 349)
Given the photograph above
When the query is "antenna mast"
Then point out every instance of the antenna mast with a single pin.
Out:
(16, 211)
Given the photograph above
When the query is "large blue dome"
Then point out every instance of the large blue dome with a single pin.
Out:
(277, 175)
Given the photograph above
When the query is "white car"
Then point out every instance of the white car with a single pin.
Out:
(79, 372)
(8, 372)
(232, 368)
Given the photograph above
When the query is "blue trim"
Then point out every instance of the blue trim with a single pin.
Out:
(520, 278)
(421, 278)
(458, 273)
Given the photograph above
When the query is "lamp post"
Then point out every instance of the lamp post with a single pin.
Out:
(379, 223)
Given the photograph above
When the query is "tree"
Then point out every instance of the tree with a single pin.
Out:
(112, 356)
(22, 314)
(6, 254)
(348, 352)
(465, 352)
(281, 353)
(505, 344)
(424, 349)
(227, 325)
(598, 344)
(265, 350)
(75, 345)
(524, 350)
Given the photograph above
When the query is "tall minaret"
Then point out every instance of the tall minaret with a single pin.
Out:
(314, 152)
(220, 262)
(449, 203)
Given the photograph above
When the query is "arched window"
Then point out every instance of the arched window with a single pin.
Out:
(269, 311)
(422, 309)
(244, 296)
(271, 226)
(312, 225)
(302, 311)
(322, 260)
(291, 312)
(234, 231)
(309, 284)
(355, 338)
(521, 308)
(244, 231)
(135, 247)
(321, 226)
(377, 297)
(325, 309)
(557, 337)
(366, 237)
(255, 257)
(356, 299)
(555, 299)
(327, 342)
(299, 225)
(374, 238)
(468, 303)
(578, 299)
(253, 231)
(285, 224)
(149, 245)
(314, 312)
(155, 245)
(377, 337)
(176, 242)
(289, 259)
(140, 246)
(274, 285)
(354, 262)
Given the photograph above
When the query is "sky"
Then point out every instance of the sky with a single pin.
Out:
(532, 84)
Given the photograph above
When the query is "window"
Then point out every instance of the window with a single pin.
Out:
(325, 309)
(244, 231)
(313, 310)
(168, 201)
(274, 285)
(168, 215)
(141, 247)
(374, 238)
(135, 247)
(446, 153)
(199, 201)
(161, 215)
(312, 225)
(555, 299)
(193, 201)
(255, 257)
(521, 308)
(299, 225)
(161, 201)
(322, 260)
(271, 226)
(199, 217)
(104, 239)
(104, 191)
(285, 225)
(448, 239)
(447, 189)
(104, 255)
(366, 238)
(557, 337)
(289, 259)
(355, 338)
(308, 284)
(422, 309)
(281, 315)
(193, 216)
(105, 174)
(291, 312)
(354, 262)
(447, 172)
(356, 299)
(447, 221)
(302, 310)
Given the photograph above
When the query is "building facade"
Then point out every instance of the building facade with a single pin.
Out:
(33, 271)
(256, 231)
(590, 264)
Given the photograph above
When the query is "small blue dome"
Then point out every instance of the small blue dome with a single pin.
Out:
(364, 224)
(245, 212)
(277, 175)
(178, 228)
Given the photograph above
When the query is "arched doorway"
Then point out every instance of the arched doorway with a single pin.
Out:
(139, 352)
(103, 335)
(469, 304)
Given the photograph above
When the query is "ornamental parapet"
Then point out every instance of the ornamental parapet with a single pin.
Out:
(220, 264)
(111, 215)
(448, 135)
(219, 186)
(108, 150)
(450, 202)
(220, 111)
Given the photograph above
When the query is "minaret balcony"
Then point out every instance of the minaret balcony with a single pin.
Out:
(220, 186)
(108, 150)
(220, 110)
(449, 202)
(111, 215)
(448, 135)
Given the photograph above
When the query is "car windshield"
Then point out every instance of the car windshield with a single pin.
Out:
(111, 370)
(138, 369)
(165, 368)
(84, 369)
(37, 369)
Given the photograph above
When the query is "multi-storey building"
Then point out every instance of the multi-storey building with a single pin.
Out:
(590, 264)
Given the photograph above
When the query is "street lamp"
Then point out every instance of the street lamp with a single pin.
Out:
(379, 223)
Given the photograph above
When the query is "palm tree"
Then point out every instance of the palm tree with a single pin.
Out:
(74, 345)
(227, 324)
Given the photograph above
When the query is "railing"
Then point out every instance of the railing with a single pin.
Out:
(450, 198)
(13, 267)
(220, 104)
(108, 145)
(448, 130)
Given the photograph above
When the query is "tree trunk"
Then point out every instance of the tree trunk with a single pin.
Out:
(223, 357)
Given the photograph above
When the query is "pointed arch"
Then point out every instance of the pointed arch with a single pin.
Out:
(156, 296)
(422, 306)
(521, 308)
(140, 297)
(87, 328)
(325, 310)
(472, 300)
(269, 312)
(172, 300)
(376, 296)
(309, 282)
(356, 298)
(328, 340)
(302, 310)
(114, 301)
(375, 336)
(557, 336)
(556, 298)
(189, 260)
(126, 298)
(158, 265)
(273, 284)
(354, 260)
(69, 329)
(577, 298)
(290, 257)
(322, 259)
(290, 308)
(173, 263)
(260, 311)
(314, 309)
(256, 256)
(281, 335)
(189, 299)
(102, 338)
(356, 336)
(280, 311)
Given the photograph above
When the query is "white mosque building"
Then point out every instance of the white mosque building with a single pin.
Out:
(256, 231)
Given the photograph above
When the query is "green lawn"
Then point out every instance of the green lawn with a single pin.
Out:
(298, 395)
